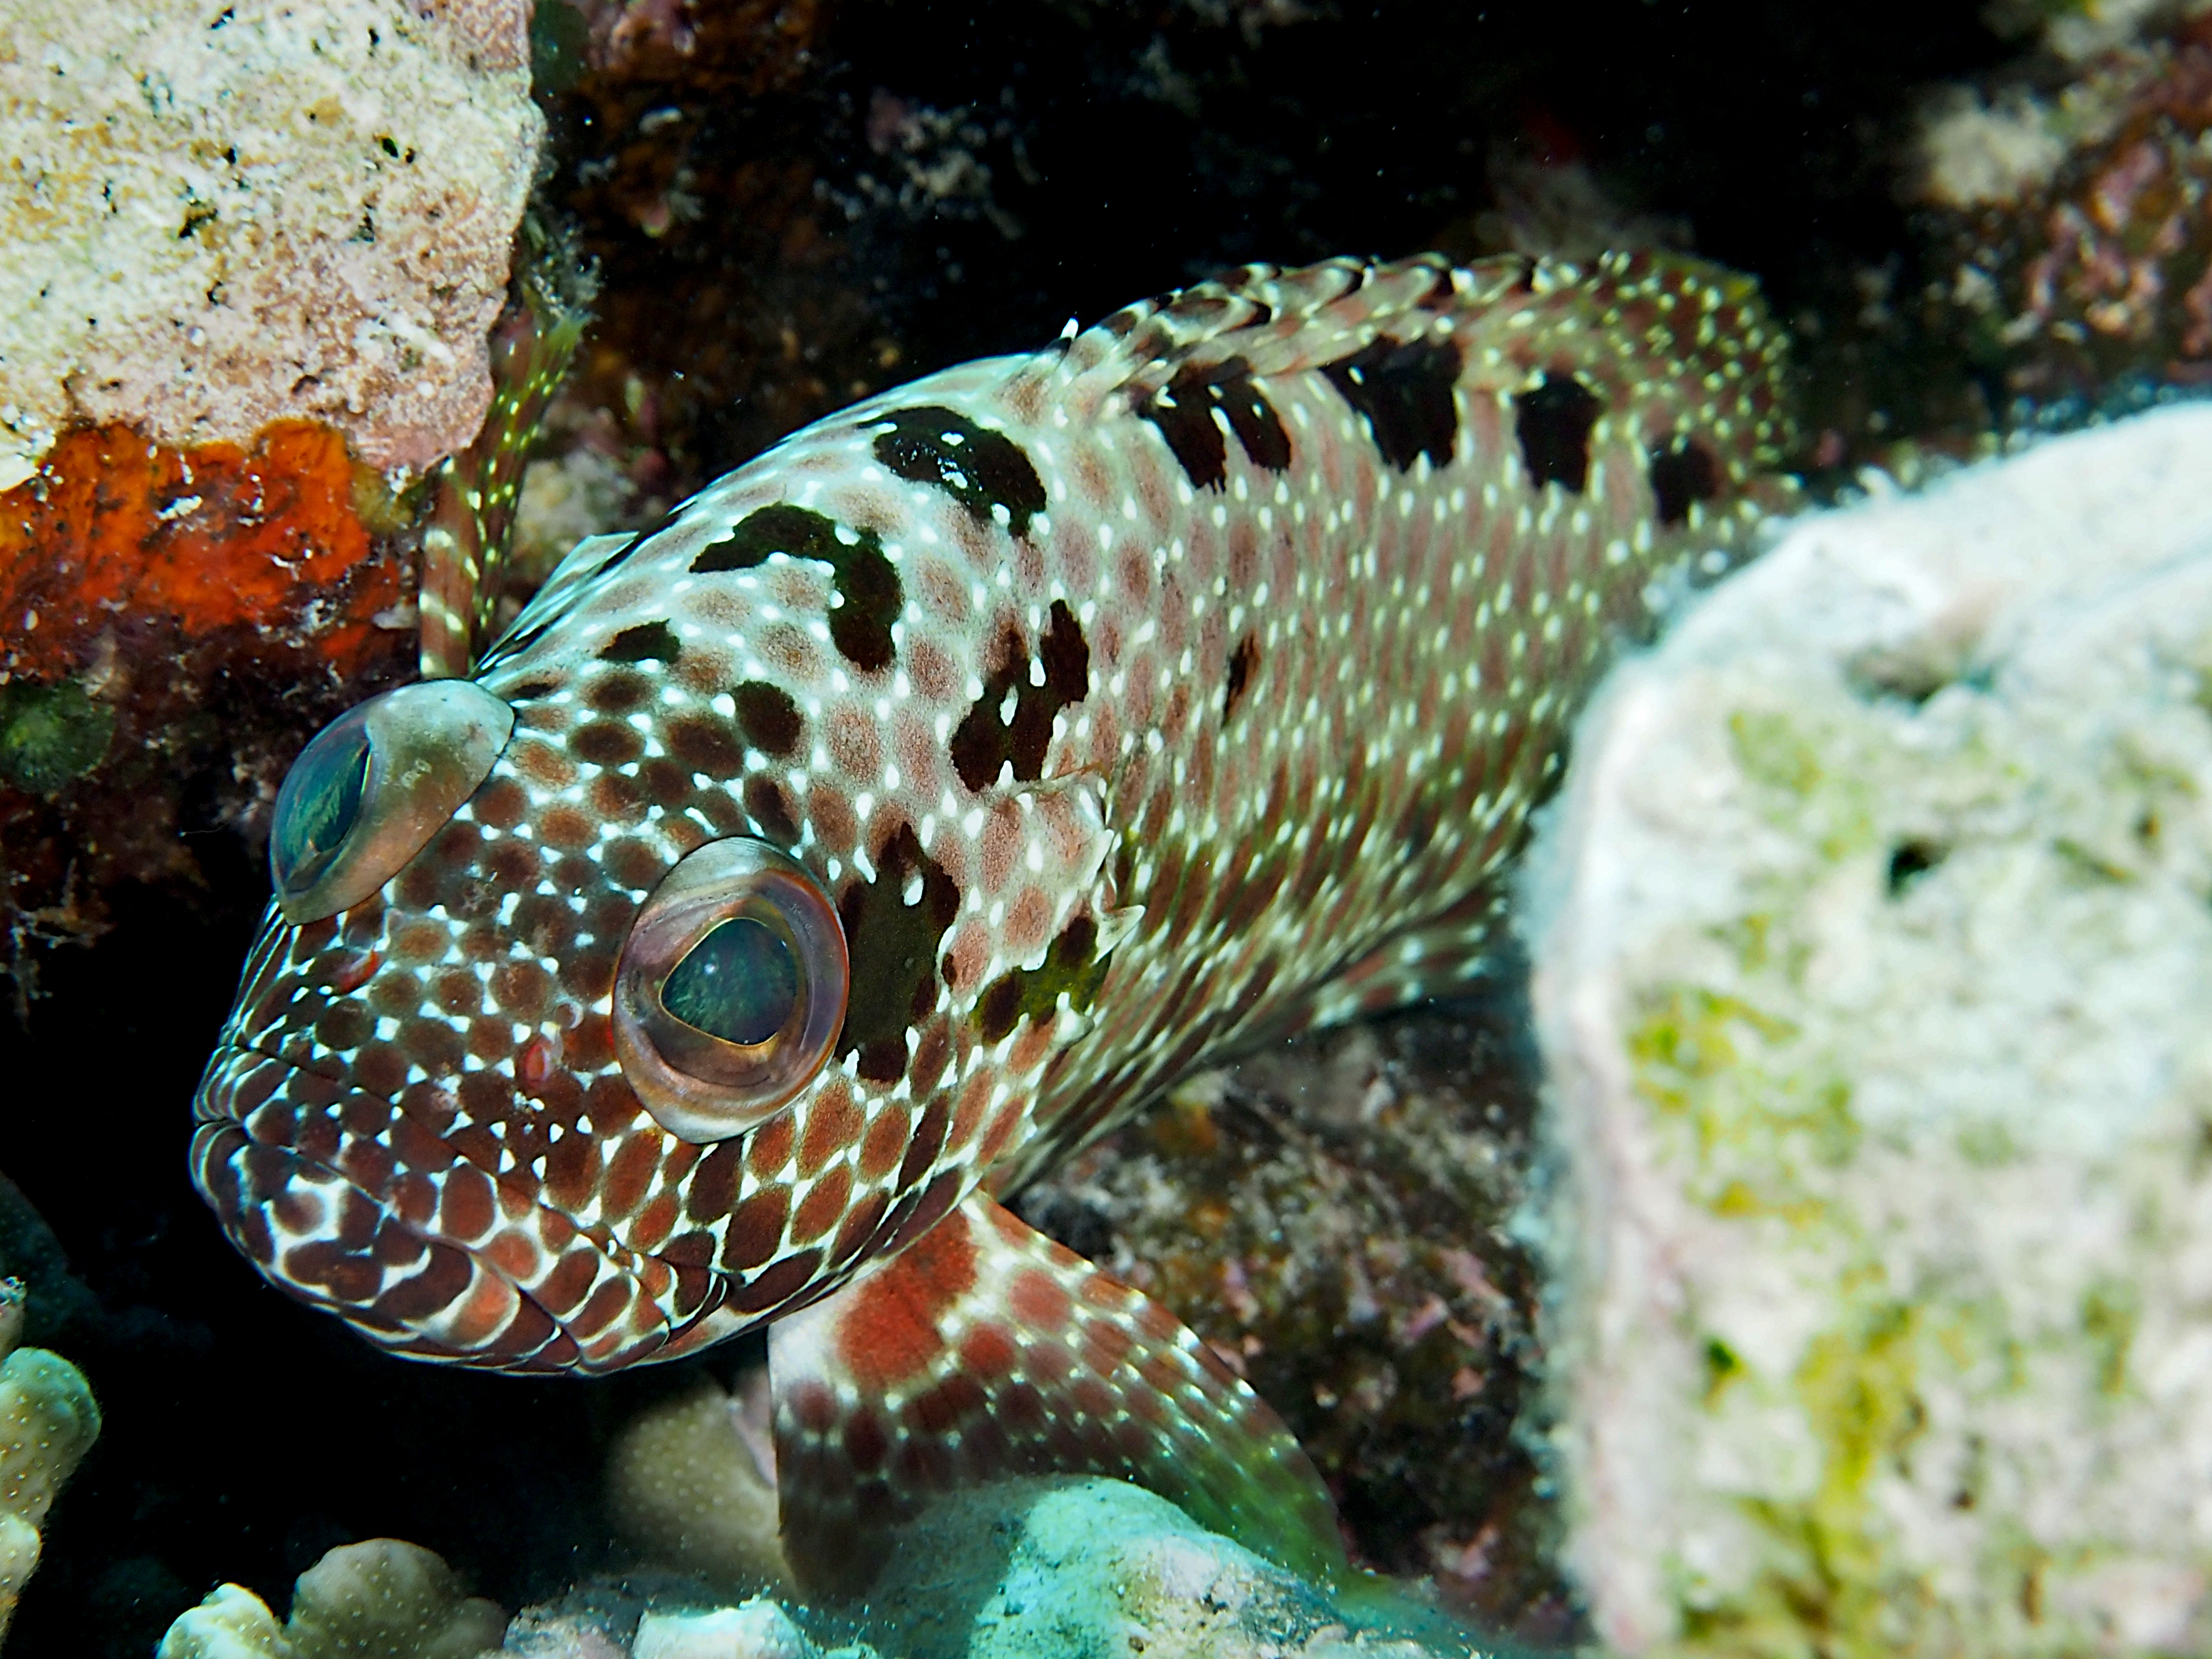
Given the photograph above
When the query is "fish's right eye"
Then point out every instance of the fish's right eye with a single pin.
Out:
(730, 992)
(371, 788)
(318, 803)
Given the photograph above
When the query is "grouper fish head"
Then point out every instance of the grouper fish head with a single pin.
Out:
(655, 980)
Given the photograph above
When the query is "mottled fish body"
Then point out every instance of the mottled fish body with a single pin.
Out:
(925, 794)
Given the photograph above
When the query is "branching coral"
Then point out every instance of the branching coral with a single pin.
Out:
(48, 1421)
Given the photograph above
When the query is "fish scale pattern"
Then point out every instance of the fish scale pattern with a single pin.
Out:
(1123, 696)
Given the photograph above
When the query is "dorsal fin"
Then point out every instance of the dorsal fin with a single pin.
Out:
(1276, 321)
(1680, 345)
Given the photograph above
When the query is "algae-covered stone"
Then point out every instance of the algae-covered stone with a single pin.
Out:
(219, 217)
(50, 734)
(1875, 950)
(1072, 1568)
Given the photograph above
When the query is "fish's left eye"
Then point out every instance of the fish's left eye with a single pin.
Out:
(374, 786)
(730, 990)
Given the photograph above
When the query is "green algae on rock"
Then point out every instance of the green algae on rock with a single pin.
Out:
(50, 734)
(1878, 935)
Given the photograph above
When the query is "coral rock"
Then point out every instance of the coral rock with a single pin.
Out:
(177, 621)
(48, 1421)
(1872, 987)
(379, 1597)
(114, 532)
(2073, 234)
(687, 1486)
(295, 210)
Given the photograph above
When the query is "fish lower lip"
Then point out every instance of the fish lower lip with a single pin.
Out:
(341, 1199)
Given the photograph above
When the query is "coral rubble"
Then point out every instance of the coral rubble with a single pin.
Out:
(218, 219)
(1870, 971)
(1028, 1569)
(379, 1597)
(1033, 1569)
(48, 1421)
(1336, 1218)
(2071, 232)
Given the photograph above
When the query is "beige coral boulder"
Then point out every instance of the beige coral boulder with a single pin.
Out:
(1872, 969)
(219, 216)
(688, 1485)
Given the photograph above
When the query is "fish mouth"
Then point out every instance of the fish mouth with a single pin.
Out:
(344, 1199)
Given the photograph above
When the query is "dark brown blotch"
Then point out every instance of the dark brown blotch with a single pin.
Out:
(861, 628)
(1242, 661)
(999, 1007)
(652, 642)
(1072, 965)
(768, 807)
(986, 739)
(1553, 421)
(1189, 410)
(707, 745)
(607, 743)
(893, 947)
(1404, 391)
(978, 468)
(769, 717)
(618, 692)
(1681, 476)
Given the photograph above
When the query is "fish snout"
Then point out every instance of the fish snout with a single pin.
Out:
(344, 1201)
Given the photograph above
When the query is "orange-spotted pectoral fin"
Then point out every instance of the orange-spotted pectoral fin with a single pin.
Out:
(986, 1351)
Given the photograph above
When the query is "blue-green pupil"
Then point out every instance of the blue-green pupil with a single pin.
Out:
(317, 805)
(738, 983)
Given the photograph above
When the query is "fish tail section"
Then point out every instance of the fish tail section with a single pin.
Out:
(1677, 355)
(984, 1351)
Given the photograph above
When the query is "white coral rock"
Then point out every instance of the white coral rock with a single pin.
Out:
(1872, 959)
(219, 215)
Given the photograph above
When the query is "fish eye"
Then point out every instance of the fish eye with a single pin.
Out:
(730, 990)
(374, 786)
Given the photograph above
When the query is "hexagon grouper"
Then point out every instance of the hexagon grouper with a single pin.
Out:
(923, 798)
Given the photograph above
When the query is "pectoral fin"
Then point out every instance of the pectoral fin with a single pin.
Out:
(986, 1351)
